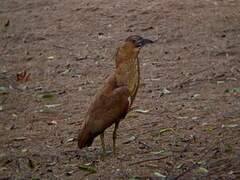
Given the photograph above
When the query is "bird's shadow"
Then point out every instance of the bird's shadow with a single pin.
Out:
(89, 154)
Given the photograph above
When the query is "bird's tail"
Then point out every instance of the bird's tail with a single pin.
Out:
(85, 138)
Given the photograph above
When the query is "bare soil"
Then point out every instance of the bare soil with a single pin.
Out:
(190, 88)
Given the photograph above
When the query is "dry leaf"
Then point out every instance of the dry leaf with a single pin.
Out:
(164, 91)
(202, 170)
(166, 130)
(50, 57)
(179, 166)
(142, 111)
(52, 163)
(24, 150)
(3, 90)
(52, 123)
(23, 76)
(69, 173)
(161, 176)
(158, 152)
(233, 90)
(182, 117)
(20, 138)
(90, 169)
(52, 105)
(132, 138)
(46, 96)
(195, 96)
(70, 139)
(230, 126)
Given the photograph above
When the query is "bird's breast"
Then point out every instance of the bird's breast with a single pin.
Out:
(129, 74)
(134, 77)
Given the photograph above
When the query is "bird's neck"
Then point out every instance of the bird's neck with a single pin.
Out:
(128, 69)
(126, 53)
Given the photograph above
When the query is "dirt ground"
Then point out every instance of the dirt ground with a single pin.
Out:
(188, 126)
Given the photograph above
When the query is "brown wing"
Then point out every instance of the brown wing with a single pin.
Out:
(108, 109)
(110, 105)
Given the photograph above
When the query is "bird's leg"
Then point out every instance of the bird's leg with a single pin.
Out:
(115, 137)
(103, 143)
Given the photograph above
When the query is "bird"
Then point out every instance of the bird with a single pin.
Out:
(114, 99)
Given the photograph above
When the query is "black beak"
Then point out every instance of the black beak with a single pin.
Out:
(138, 41)
(143, 42)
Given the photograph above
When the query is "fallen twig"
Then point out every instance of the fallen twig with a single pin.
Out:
(146, 160)
(195, 165)
(189, 79)
(144, 144)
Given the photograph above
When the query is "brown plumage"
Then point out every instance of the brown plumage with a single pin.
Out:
(113, 100)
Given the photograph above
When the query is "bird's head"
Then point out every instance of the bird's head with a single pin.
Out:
(138, 41)
(130, 48)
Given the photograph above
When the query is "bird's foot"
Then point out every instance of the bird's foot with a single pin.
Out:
(114, 152)
(104, 154)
